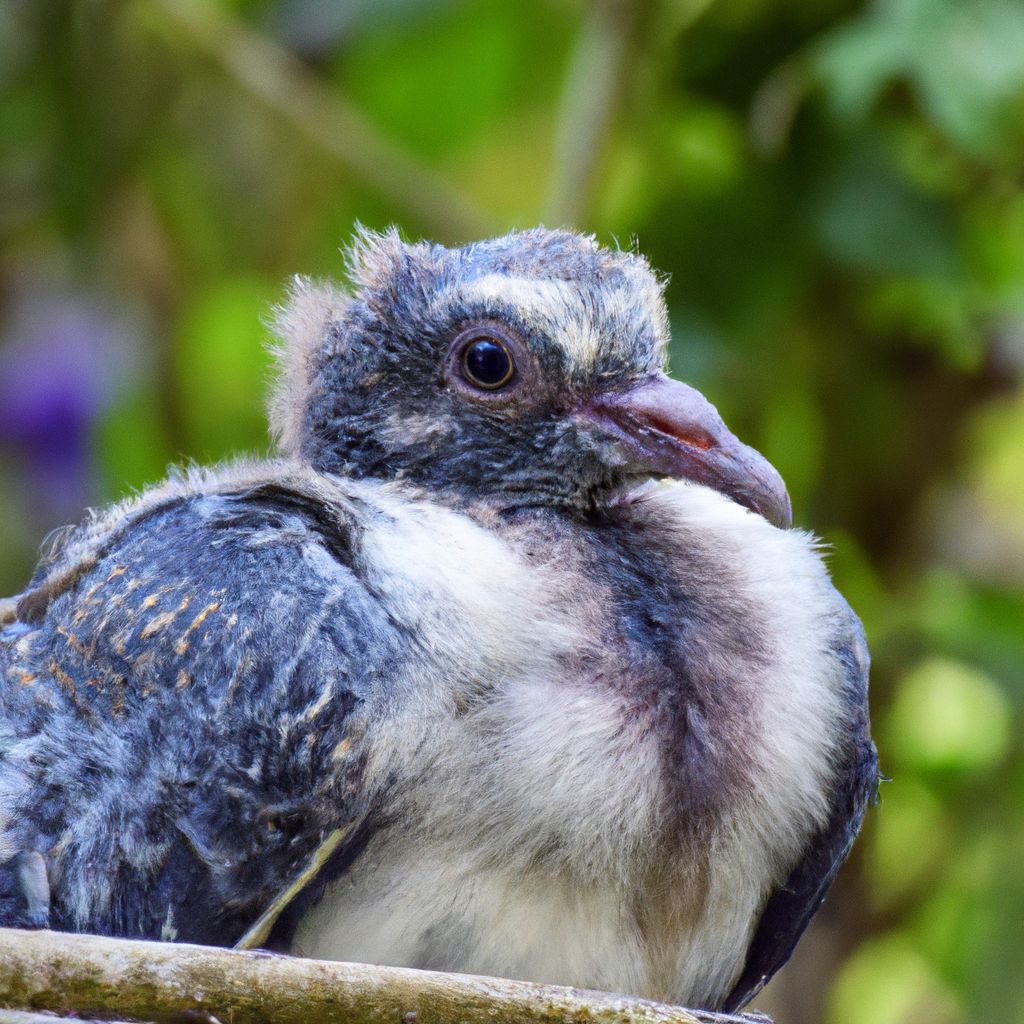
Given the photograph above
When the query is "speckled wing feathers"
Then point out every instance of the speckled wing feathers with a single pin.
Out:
(134, 741)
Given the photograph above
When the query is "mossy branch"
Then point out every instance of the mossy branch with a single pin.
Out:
(115, 979)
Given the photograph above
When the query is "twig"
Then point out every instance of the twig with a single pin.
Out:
(590, 102)
(280, 80)
(621, 47)
(258, 934)
(122, 978)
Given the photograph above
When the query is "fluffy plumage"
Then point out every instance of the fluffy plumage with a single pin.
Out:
(587, 727)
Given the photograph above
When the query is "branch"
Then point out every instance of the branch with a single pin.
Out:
(590, 102)
(27, 1017)
(103, 978)
(283, 83)
(622, 46)
(259, 932)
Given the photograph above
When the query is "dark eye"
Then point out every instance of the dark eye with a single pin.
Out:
(487, 363)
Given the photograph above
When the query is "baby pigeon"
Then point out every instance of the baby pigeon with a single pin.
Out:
(513, 641)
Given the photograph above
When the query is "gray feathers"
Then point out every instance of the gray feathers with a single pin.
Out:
(170, 707)
(592, 729)
(362, 389)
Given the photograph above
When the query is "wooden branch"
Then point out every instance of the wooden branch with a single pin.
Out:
(107, 979)
(27, 1017)
(259, 932)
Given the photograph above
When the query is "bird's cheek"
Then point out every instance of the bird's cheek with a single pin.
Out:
(410, 430)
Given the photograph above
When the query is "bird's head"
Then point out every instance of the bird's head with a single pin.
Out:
(527, 370)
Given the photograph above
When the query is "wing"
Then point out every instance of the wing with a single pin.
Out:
(182, 725)
(790, 908)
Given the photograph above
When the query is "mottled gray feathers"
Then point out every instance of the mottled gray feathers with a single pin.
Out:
(184, 722)
(586, 727)
(361, 385)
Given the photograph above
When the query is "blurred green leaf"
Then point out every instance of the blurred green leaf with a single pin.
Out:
(222, 367)
(132, 443)
(948, 716)
(442, 79)
(997, 441)
(958, 917)
(935, 312)
(870, 218)
(965, 61)
(994, 241)
(980, 624)
(701, 147)
(793, 436)
(889, 981)
(910, 841)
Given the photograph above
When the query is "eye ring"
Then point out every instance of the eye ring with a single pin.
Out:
(487, 361)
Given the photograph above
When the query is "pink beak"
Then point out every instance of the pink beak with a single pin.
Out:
(670, 428)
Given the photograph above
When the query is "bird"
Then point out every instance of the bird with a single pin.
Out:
(507, 661)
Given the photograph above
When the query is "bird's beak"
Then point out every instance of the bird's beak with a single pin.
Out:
(669, 428)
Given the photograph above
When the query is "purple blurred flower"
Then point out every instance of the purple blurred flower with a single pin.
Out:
(61, 363)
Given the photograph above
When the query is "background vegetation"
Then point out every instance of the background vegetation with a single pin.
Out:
(837, 189)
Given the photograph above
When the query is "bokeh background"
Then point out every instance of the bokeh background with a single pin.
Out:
(835, 187)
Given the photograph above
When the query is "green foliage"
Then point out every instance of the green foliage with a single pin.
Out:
(947, 717)
(837, 190)
(221, 368)
(963, 60)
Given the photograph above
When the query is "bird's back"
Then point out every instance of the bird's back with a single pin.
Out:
(169, 737)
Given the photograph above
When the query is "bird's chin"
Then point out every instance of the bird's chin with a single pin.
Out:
(641, 488)
(636, 487)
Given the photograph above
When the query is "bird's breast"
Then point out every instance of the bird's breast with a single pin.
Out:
(439, 906)
(639, 673)
(590, 705)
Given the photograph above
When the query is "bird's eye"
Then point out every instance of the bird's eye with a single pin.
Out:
(487, 363)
